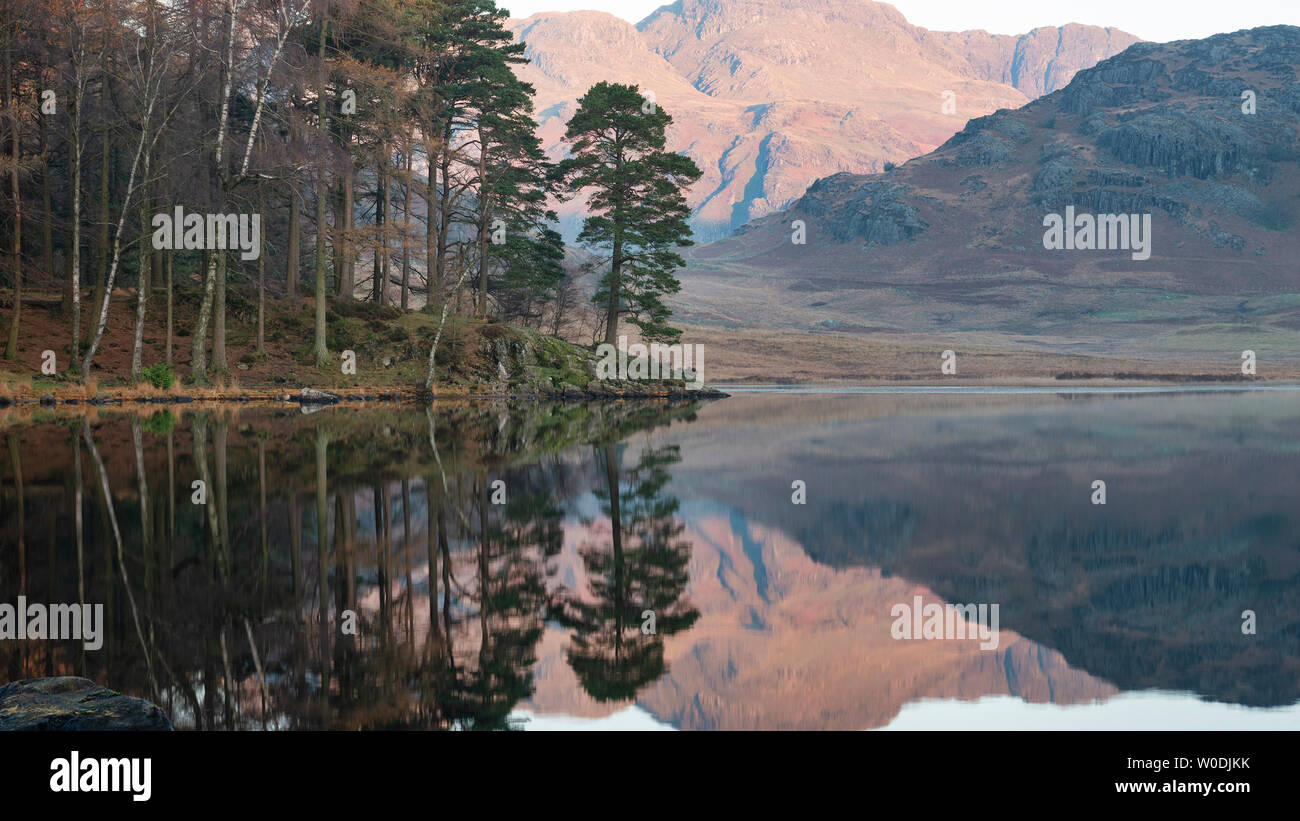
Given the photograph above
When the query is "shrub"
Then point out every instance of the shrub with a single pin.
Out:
(160, 375)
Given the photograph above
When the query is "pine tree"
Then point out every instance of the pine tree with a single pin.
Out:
(638, 211)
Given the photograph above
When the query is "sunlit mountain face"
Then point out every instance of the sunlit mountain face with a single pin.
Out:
(732, 565)
(767, 96)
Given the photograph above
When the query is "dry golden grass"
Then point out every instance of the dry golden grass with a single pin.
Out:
(800, 357)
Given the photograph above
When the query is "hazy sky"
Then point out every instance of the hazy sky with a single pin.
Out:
(1149, 19)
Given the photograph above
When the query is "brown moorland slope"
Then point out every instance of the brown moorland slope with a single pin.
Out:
(951, 244)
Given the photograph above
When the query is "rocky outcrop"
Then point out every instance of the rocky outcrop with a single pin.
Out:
(72, 703)
(521, 362)
(1180, 143)
(876, 212)
(312, 396)
(1120, 82)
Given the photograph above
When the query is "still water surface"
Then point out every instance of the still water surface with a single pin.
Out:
(504, 564)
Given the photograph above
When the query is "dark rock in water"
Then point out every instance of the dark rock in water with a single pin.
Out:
(47, 399)
(311, 396)
(72, 703)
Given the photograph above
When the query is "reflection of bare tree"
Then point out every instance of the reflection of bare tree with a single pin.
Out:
(213, 533)
(503, 600)
(643, 568)
(121, 560)
(220, 620)
(81, 559)
(322, 567)
(16, 461)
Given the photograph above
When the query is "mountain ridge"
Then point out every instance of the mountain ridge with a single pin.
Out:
(747, 84)
(953, 239)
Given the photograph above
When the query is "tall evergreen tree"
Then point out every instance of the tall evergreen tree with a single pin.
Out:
(638, 211)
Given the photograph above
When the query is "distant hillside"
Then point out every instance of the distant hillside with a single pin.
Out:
(952, 242)
(769, 95)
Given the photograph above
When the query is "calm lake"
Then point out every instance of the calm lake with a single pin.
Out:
(734, 564)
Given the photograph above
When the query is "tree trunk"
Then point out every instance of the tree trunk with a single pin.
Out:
(611, 310)
(432, 285)
(47, 223)
(437, 336)
(261, 278)
(406, 232)
(11, 349)
(142, 287)
(117, 248)
(105, 175)
(483, 227)
(336, 201)
(146, 255)
(199, 361)
(295, 230)
(349, 263)
(156, 259)
(444, 203)
(74, 126)
(219, 315)
(380, 281)
(322, 355)
(169, 308)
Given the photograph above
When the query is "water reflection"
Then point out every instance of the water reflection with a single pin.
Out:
(645, 565)
(636, 580)
(347, 569)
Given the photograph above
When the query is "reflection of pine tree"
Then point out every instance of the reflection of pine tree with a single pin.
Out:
(644, 568)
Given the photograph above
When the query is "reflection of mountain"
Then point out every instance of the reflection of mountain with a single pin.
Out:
(988, 500)
(786, 643)
(469, 609)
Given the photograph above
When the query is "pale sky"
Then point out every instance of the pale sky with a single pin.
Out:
(1157, 20)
